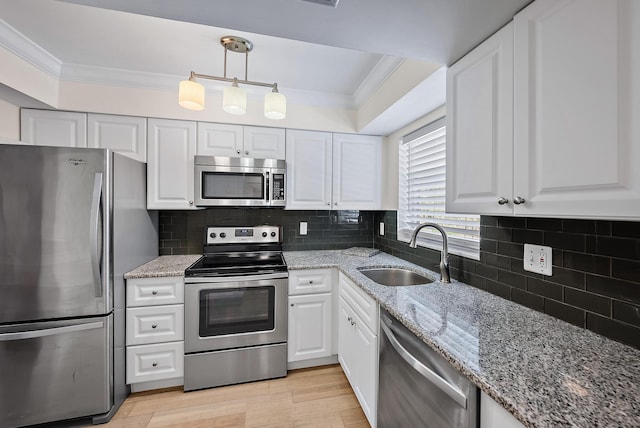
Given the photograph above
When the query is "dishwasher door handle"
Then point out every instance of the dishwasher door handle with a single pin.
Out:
(453, 392)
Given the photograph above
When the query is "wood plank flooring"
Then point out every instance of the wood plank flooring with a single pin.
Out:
(316, 397)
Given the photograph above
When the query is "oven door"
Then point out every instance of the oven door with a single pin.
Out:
(237, 312)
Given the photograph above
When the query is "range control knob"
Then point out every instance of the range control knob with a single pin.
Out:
(273, 234)
(223, 235)
(264, 234)
(212, 235)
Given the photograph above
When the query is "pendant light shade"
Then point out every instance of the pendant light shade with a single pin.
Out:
(191, 95)
(275, 105)
(234, 99)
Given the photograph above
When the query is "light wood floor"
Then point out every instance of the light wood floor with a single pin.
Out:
(317, 397)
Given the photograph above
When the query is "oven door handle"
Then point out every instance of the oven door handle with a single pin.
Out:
(234, 279)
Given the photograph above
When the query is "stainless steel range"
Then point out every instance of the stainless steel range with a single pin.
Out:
(236, 308)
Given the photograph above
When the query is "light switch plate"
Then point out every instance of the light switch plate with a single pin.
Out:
(381, 228)
(537, 258)
(303, 228)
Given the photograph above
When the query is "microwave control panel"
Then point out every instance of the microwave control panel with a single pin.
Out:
(277, 187)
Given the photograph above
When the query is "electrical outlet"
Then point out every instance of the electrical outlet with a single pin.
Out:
(303, 228)
(381, 228)
(537, 258)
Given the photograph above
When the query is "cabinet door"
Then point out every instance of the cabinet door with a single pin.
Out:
(309, 327)
(366, 389)
(480, 128)
(53, 128)
(308, 170)
(218, 139)
(126, 135)
(357, 172)
(264, 143)
(346, 350)
(170, 169)
(577, 95)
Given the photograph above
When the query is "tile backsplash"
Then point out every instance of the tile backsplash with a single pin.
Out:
(182, 232)
(596, 268)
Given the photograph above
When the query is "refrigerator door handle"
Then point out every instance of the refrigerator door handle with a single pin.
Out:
(95, 233)
(6, 337)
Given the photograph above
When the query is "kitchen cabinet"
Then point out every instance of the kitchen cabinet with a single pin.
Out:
(494, 415)
(126, 135)
(333, 171)
(170, 164)
(311, 316)
(53, 128)
(358, 344)
(575, 140)
(480, 128)
(218, 139)
(155, 332)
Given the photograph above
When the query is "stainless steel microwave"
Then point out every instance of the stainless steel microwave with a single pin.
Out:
(224, 181)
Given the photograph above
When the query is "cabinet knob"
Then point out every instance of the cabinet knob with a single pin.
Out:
(311, 281)
(154, 364)
(238, 151)
(154, 325)
(190, 202)
(328, 203)
(353, 322)
(292, 305)
(349, 319)
(246, 152)
(518, 200)
(154, 292)
(335, 203)
(503, 201)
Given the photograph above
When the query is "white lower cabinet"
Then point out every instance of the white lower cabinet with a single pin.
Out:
(155, 332)
(358, 344)
(493, 415)
(311, 317)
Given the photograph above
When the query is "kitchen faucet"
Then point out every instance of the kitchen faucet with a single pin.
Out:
(444, 254)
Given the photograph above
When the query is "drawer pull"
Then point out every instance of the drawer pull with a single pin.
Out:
(154, 292)
(154, 364)
(154, 325)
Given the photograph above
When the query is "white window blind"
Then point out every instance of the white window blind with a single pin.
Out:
(422, 194)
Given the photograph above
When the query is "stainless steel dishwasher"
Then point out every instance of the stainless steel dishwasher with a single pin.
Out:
(418, 387)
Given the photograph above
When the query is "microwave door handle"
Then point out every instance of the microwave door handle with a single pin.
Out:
(267, 187)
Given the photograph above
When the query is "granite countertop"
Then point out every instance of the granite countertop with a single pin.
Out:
(544, 371)
(163, 266)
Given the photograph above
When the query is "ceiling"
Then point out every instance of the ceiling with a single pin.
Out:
(317, 54)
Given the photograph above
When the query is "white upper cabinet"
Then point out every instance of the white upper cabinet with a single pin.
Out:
(576, 94)
(357, 181)
(53, 128)
(264, 143)
(480, 128)
(170, 164)
(308, 170)
(126, 135)
(577, 100)
(218, 139)
(333, 171)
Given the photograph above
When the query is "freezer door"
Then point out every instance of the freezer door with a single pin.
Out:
(55, 370)
(51, 232)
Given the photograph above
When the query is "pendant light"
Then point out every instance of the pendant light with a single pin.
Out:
(234, 99)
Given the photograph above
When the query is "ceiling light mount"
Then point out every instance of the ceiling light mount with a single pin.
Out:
(191, 94)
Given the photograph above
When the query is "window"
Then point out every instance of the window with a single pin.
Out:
(422, 194)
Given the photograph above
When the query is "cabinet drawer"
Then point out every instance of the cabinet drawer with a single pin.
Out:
(155, 291)
(363, 304)
(155, 362)
(154, 324)
(311, 281)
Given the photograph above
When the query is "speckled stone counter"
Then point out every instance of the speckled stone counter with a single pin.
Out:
(163, 266)
(544, 371)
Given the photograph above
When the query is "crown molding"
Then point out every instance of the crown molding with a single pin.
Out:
(384, 68)
(25, 48)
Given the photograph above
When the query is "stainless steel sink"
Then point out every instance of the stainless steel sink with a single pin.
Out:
(394, 276)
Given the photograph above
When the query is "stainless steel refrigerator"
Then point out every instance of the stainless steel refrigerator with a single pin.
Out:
(72, 222)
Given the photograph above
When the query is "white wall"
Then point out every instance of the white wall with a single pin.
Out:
(390, 157)
(9, 121)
